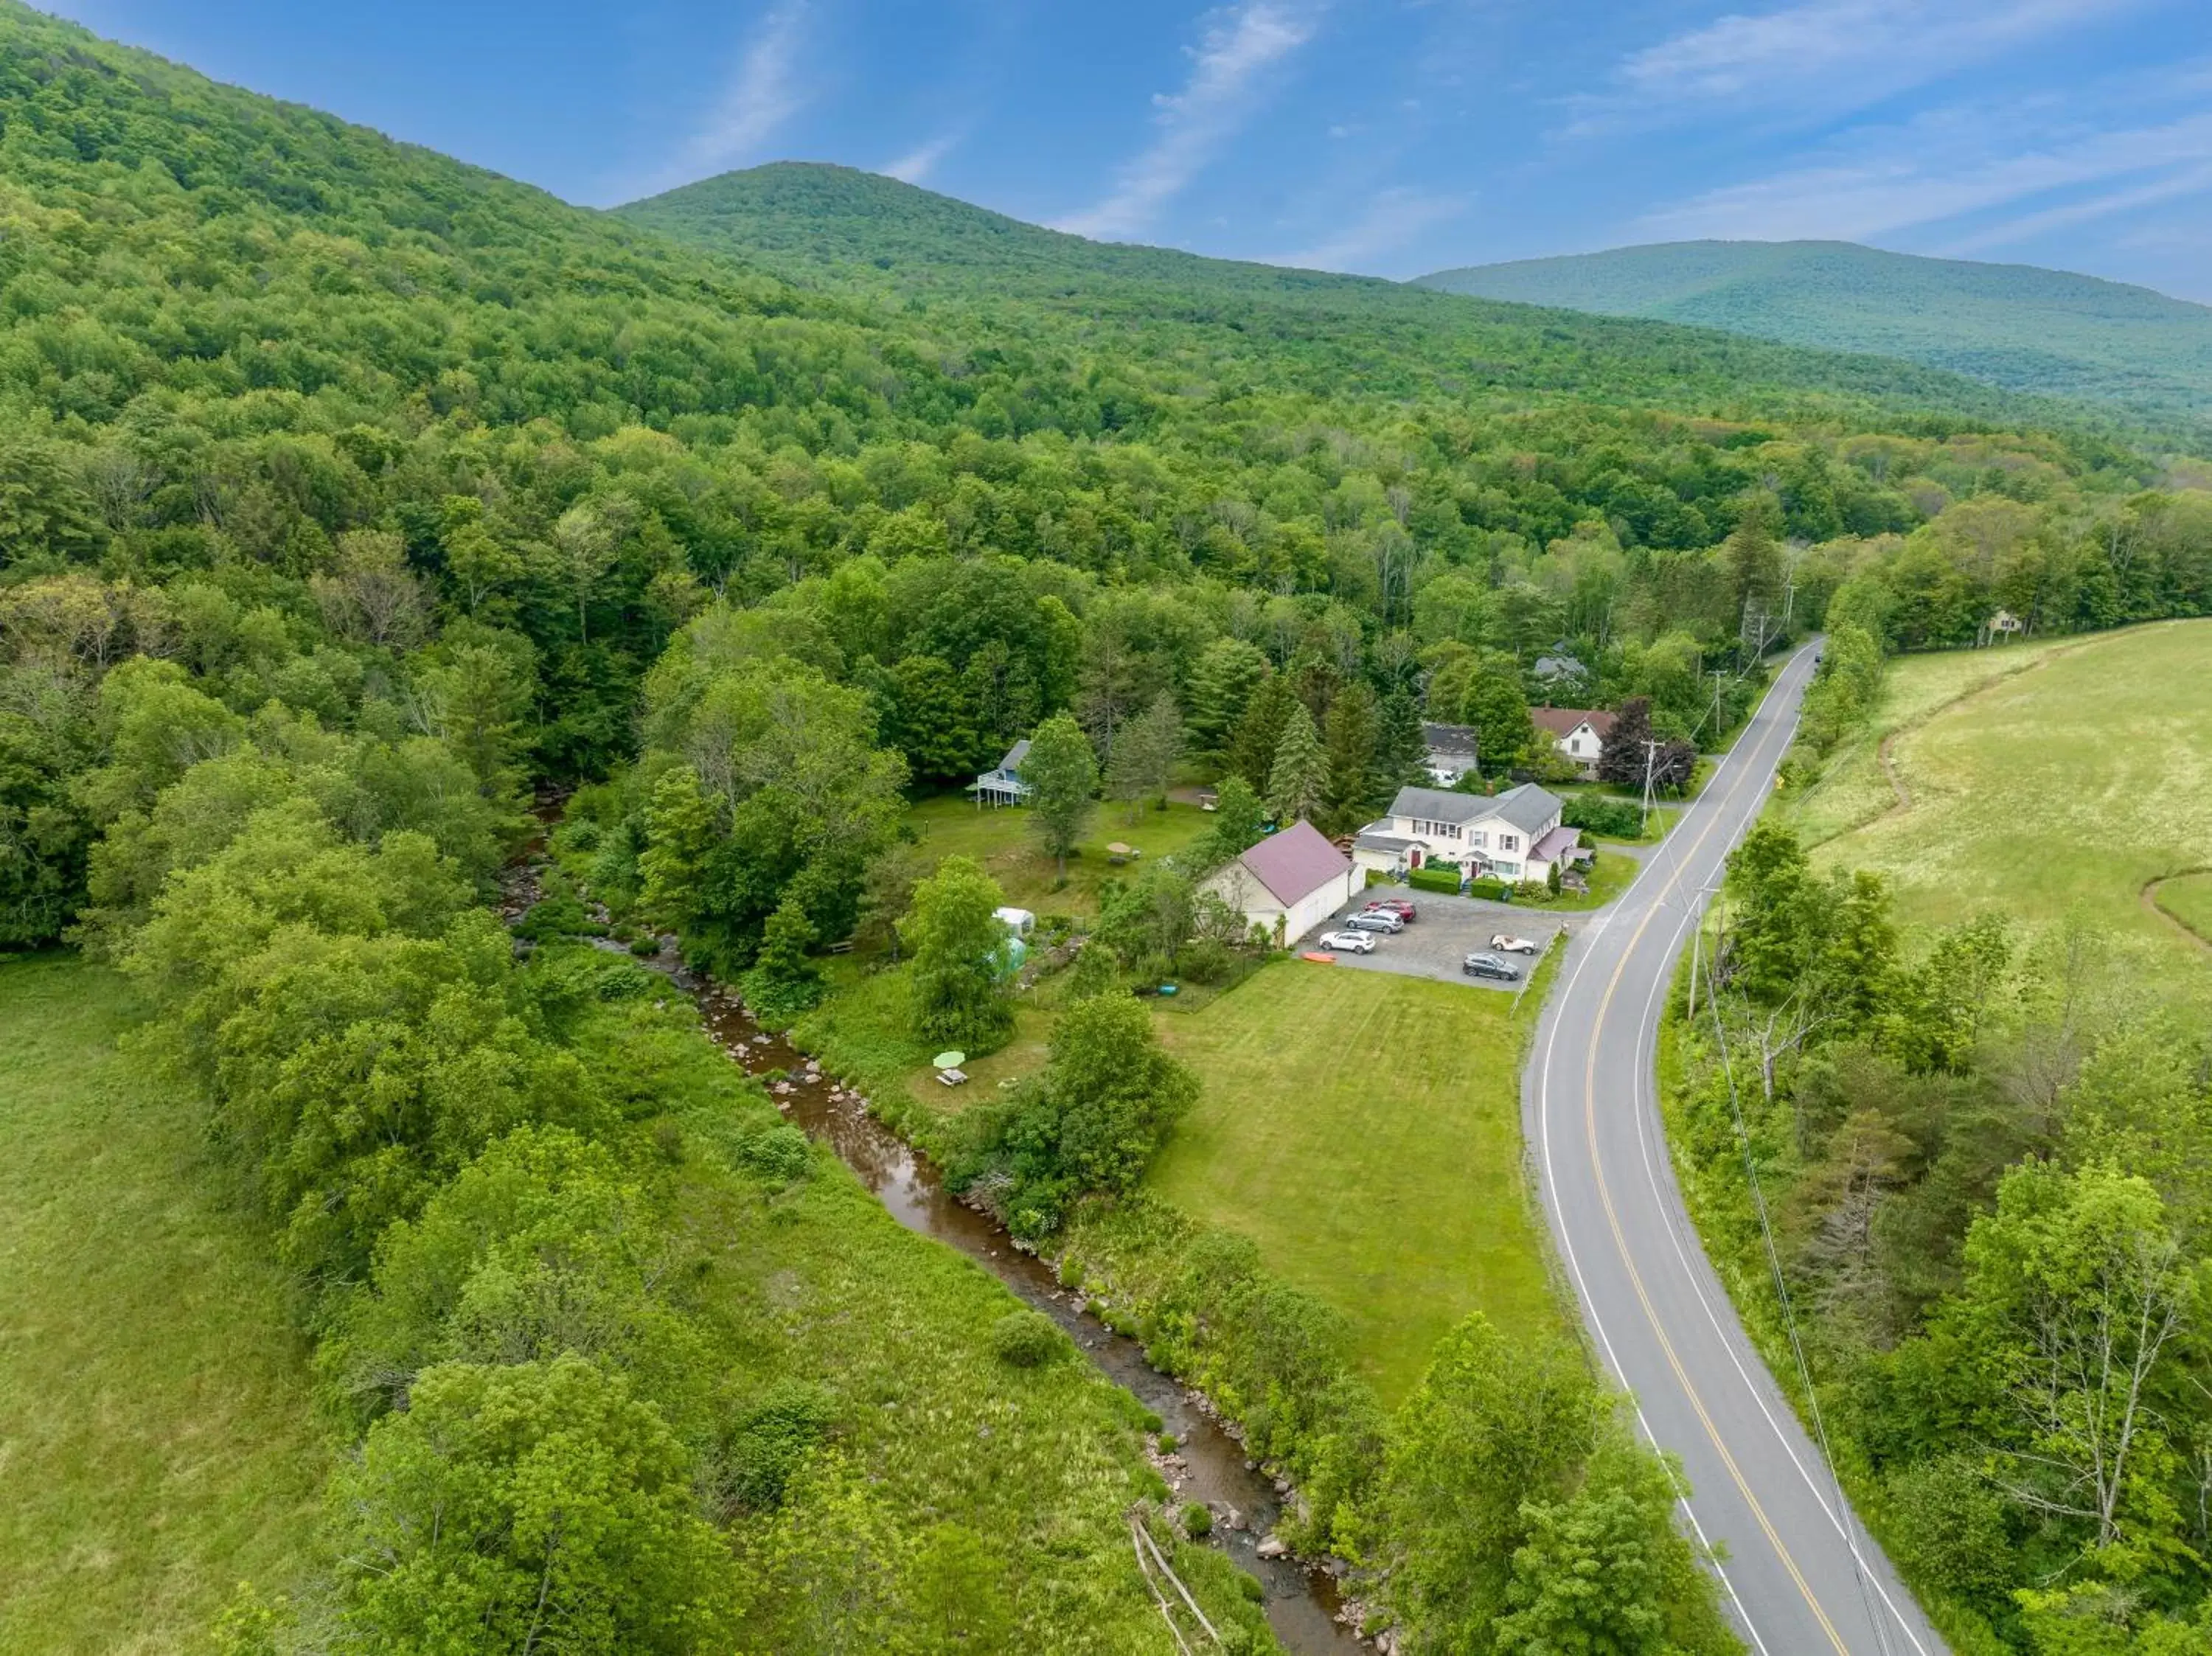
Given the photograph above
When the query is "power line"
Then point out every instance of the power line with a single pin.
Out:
(1789, 1312)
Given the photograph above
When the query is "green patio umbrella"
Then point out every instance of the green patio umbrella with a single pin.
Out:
(949, 1060)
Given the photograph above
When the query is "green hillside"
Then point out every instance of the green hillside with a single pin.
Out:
(352, 499)
(862, 234)
(2013, 326)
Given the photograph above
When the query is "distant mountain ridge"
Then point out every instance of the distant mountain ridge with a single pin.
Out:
(2017, 326)
(885, 242)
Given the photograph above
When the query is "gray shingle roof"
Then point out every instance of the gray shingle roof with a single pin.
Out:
(1454, 739)
(1528, 807)
(1371, 838)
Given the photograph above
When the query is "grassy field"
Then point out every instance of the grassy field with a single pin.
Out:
(2067, 782)
(156, 1440)
(1854, 790)
(1003, 842)
(1364, 1130)
(2188, 899)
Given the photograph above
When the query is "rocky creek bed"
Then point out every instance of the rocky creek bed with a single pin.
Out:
(1208, 1465)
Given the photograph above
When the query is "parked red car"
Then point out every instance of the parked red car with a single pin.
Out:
(1397, 906)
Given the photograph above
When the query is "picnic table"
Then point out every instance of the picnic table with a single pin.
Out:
(953, 1077)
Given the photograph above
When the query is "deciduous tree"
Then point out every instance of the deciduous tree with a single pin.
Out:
(1062, 774)
(956, 938)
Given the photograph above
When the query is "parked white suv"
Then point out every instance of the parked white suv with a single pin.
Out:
(1356, 943)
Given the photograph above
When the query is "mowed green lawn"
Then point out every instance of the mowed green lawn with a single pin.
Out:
(157, 1444)
(1364, 1130)
(2065, 788)
(1004, 841)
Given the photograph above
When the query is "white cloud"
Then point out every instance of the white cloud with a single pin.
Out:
(1394, 218)
(2187, 181)
(1951, 164)
(921, 161)
(1194, 123)
(1822, 56)
(765, 93)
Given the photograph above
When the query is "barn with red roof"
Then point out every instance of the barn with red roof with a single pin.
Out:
(1290, 882)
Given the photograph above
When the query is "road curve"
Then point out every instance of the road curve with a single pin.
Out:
(1802, 1576)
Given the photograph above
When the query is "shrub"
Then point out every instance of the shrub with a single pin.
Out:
(1621, 819)
(1206, 961)
(1197, 1521)
(778, 1152)
(1026, 1339)
(753, 1465)
(1434, 879)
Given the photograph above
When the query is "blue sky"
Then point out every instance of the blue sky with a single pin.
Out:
(1389, 137)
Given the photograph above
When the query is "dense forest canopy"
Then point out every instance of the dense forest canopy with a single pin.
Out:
(2011, 326)
(347, 492)
(274, 384)
(870, 236)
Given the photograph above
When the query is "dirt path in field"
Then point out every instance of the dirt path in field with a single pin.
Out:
(2150, 896)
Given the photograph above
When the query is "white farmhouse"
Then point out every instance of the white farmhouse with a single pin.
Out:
(1578, 733)
(1515, 835)
(1289, 883)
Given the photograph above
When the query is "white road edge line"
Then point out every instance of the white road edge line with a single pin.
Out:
(1574, 1265)
(1647, 1105)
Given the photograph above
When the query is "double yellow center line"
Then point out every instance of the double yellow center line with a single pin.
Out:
(1628, 1259)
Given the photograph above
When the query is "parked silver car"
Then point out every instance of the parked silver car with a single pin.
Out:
(1354, 942)
(1377, 920)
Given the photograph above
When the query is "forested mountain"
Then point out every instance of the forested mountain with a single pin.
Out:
(2013, 326)
(1259, 327)
(346, 491)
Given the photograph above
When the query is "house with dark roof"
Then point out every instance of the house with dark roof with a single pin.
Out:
(1578, 733)
(1003, 785)
(1289, 883)
(1514, 835)
(1451, 752)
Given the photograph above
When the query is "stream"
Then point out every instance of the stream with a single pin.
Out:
(1208, 1467)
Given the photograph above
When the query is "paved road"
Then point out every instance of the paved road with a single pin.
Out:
(1804, 1577)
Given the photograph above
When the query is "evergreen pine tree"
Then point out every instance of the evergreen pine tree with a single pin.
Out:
(1401, 749)
(1222, 683)
(1298, 782)
(1351, 730)
(1260, 732)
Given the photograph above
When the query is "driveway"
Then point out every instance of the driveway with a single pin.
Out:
(1448, 929)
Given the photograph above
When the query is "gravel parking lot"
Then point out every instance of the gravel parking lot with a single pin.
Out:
(1445, 931)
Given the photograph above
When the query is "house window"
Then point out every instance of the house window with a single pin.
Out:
(1478, 839)
(1508, 842)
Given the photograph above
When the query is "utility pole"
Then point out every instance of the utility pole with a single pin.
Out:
(1718, 674)
(1651, 754)
(1696, 948)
